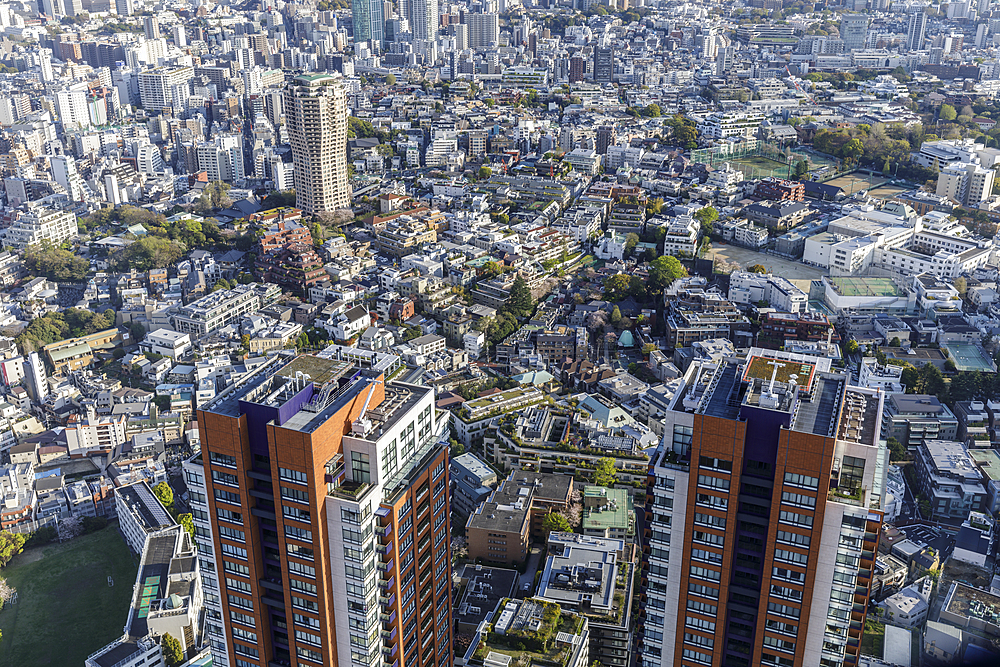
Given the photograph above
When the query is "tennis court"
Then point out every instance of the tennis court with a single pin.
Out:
(848, 286)
(969, 357)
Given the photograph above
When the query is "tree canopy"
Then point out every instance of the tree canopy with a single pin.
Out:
(57, 326)
(55, 263)
(520, 303)
(665, 270)
(149, 252)
(11, 544)
(605, 473)
(554, 521)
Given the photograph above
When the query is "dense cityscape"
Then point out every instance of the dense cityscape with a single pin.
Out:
(567, 333)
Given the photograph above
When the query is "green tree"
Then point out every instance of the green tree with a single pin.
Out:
(520, 302)
(652, 110)
(931, 379)
(758, 268)
(910, 378)
(663, 271)
(605, 473)
(11, 544)
(485, 172)
(853, 149)
(947, 112)
(631, 241)
(165, 495)
(55, 263)
(962, 285)
(554, 521)
(950, 366)
(390, 79)
(616, 316)
(173, 652)
(187, 522)
(897, 452)
(801, 169)
(851, 346)
(895, 342)
(617, 287)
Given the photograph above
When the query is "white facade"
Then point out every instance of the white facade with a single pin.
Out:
(156, 86)
(748, 288)
(474, 343)
(39, 224)
(93, 432)
(966, 183)
(732, 124)
(167, 343)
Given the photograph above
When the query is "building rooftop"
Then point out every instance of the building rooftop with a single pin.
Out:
(485, 588)
(988, 462)
(145, 507)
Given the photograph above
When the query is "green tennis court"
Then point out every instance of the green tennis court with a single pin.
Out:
(969, 357)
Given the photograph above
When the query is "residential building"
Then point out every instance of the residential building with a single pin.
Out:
(949, 478)
(332, 521)
(315, 108)
(295, 266)
(908, 608)
(224, 308)
(140, 514)
(35, 223)
(779, 189)
(167, 343)
(74, 354)
(607, 513)
(474, 481)
(968, 184)
(763, 507)
(594, 577)
(159, 87)
(747, 288)
(780, 217)
(913, 418)
(90, 434)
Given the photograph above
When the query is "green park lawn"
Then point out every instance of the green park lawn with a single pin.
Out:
(65, 609)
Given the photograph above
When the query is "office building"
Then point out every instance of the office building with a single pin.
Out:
(180, 37)
(916, 29)
(369, 21)
(853, 31)
(966, 183)
(762, 515)
(913, 418)
(604, 64)
(328, 494)
(223, 308)
(315, 108)
(157, 86)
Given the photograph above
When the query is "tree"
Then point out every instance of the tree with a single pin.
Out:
(173, 652)
(801, 169)
(950, 366)
(390, 79)
(895, 342)
(605, 473)
(706, 216)
(55, 263)
(631, 241)
(165, 495)
(616, 316)
(851, 346)
(485, 172)
(520, 302)
(652, 110)
(897, 452)
(663, 271)
(758, 268)
(187, 522)
(617, 287)
(931, 379)
(910, 378)
(649, 348)
(554, 521)
(11, 544)
(947, 112)
(853, 149)
(137, 331)
(961, 285)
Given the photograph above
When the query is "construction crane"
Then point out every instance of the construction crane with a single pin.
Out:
(362, 426)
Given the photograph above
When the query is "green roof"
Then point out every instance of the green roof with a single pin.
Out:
(616, 514)
(67, 352)
(988, 461)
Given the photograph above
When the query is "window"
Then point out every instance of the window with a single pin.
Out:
(705, 573)
(299, 551)
(699, 624)
(245, 635)
(238, 584)
(352, 536)
(709, 520)
(799, 499)
(682, 438)
(715, 464)
(306, 621)
(709, 538)
(222, 459)
(704, 591)
(780, 644)
(782, 610)
(791, 575)
(852, 472)
(294, 494)
(241, 618)
(296, 513)
(361, 467)
(795, 518)
(790, 557)
(806, 481)
(697, 656)
(706, 556)
(225, 478)
(793, 538)
(713, 482)
(389, 460)
(304, 603)
(715, 502)
(242, 603)
(231, 550)
(302, 586)
(309, 655)
(308, 638)
(227, 496)
(235, 568)
(300, 569)
(227, 515)
(232, 534)
(781, 626)
(298, 533)
(246, 650)
(289, 475)
(785, 592)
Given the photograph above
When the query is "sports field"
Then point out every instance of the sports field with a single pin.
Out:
(855, 182)
(968, 357)
(65, 609)
(756, 166)
(849, 286)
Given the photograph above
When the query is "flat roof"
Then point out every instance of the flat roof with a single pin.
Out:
(968, 357)
(988, 461)
(855, 286)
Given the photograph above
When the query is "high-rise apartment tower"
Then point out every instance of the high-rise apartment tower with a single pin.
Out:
(854, 31)
(762, 516)
(327, 491)
(916, 29)
(315, 107)
(369, 21)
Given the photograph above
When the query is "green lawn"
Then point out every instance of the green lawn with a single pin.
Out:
(65, 609)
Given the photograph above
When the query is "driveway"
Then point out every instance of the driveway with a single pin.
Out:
(529, 573)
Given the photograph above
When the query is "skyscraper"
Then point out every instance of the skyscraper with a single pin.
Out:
(329, 512)
(484, 30)
(762, 515)
(916, 29)
(604, 58)
(424, 19)
(315, 107)
(151, 26)
(369, 21)
(854, 31)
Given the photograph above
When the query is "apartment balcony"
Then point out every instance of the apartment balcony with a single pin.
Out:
(387, 600)
(385, 567)
(390, 651)
(387, 618)
(385, 549)
(389, 635)
(387, 584)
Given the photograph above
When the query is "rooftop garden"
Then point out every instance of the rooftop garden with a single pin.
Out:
(535, 647)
